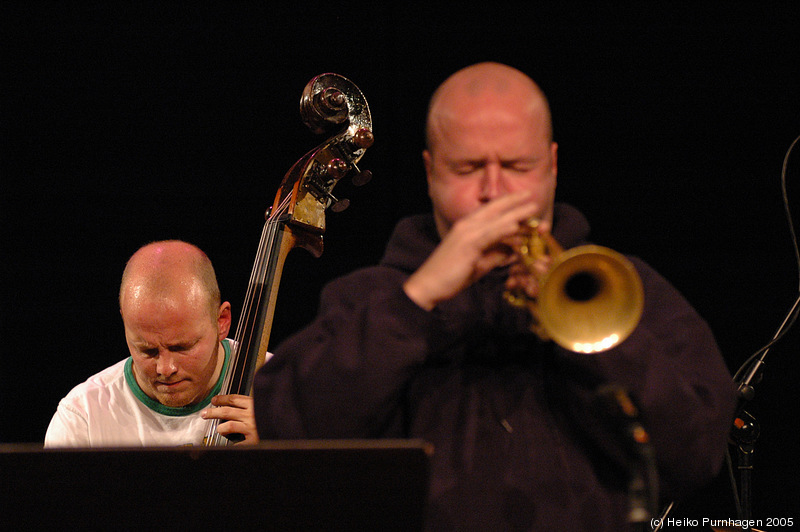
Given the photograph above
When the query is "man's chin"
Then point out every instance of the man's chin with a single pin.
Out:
(175, 400)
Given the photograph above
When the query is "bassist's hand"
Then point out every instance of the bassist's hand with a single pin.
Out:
(236, 415)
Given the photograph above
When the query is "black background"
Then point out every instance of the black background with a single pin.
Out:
(124, 123)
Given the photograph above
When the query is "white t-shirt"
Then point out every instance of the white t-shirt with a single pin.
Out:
(111, 410)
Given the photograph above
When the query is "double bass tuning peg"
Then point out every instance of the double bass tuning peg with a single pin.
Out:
(361, 178)
(336, 204)
(362, 139)
(338, 168)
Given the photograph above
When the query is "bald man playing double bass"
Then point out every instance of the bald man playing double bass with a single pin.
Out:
(166, 391)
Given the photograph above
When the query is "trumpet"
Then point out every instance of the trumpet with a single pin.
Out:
(590, 297)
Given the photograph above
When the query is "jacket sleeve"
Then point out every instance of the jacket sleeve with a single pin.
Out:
(344, 375)
(673, 370)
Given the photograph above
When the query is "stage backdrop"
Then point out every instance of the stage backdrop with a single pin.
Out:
(126, 123)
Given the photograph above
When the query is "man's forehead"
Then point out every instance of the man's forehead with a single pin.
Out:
(164, 291)
(506, 134)
(159, 340)
(153, 333)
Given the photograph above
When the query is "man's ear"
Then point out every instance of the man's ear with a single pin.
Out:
(427, 158)
(224, 320)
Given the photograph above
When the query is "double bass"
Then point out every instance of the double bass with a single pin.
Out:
(333, 105)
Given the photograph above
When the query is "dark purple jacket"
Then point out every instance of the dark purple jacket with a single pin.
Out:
(522, 440)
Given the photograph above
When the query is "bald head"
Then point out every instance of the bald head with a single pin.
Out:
(170, 272)
(481, 86)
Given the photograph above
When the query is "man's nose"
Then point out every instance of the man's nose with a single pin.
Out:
(492, 182)
(165, 365)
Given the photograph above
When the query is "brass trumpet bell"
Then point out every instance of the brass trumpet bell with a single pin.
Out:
(590, 300)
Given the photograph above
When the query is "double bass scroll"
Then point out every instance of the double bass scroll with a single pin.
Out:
(330, 104)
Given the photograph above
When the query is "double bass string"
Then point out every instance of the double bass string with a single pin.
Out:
(236, 373)
(255, 293)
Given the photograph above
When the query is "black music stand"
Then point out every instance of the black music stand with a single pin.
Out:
(289, 485)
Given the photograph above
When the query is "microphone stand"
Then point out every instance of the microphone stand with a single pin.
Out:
(745, 430)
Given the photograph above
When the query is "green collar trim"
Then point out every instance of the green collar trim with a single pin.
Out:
(176, 411)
